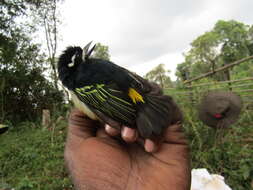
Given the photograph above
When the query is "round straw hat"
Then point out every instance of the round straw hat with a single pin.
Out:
(220, 108)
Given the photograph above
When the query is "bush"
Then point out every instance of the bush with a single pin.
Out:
(227, 152)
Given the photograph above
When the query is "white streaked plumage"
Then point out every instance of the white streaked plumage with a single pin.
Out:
(72, 63)
(81, 106)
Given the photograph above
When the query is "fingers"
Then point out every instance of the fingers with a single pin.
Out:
(130, 135)
(81, 128)
(111, 131)
(150, 146)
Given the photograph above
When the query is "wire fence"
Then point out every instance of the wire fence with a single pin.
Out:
(192, 94)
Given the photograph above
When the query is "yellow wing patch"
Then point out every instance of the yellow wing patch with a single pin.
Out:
(135, 96)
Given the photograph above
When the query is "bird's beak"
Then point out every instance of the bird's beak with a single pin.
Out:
(86, 48)
(86, 51)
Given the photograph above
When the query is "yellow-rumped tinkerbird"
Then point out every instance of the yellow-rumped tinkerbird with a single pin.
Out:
(107, 92)
(3, 128)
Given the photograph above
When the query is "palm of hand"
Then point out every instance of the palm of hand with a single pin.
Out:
(98, 161)
(129, 167)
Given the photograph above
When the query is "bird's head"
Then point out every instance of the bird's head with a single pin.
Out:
(71, 58)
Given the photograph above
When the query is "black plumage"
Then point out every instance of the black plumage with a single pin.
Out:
(3, 128)
(111, 92)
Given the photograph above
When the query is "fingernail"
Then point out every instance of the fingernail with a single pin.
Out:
(110, 130)
(149, 145)
(128, 134)
(107, 127)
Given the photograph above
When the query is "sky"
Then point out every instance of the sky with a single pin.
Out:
(144, 33)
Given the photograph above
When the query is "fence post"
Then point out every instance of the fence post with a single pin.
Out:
(46, 118)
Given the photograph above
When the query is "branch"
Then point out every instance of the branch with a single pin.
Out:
(47, 37)
(220, 69)
(55, 27)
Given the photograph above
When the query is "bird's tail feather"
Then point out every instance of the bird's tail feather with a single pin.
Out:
(158, 112)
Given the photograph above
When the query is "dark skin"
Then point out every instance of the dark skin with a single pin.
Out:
(98, 161)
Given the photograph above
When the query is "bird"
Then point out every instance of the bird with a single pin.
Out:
(3, 128)
(109, 93)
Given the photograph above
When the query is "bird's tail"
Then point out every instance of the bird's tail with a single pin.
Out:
(156, 114)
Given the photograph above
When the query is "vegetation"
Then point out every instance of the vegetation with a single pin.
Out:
(227, 152)
(24, 89)
(224, 151)
(160, 76)
(31, 156)
(227, 42)
(101, 51)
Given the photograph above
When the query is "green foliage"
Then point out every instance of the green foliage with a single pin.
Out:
(101, 52)
(234, 40)
(159, 75)
(224, 151)
(24, 89)
(227, 152)
(227, 42)
(32, 158)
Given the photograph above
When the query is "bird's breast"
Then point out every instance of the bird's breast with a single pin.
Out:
(83, 107)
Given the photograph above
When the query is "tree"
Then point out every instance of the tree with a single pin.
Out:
(159, 75)
(47, 17)
(227, 42)
(250, 36)
(24, 90)
(101, 51)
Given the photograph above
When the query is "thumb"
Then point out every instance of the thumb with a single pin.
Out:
(175, 147)
(80, 126)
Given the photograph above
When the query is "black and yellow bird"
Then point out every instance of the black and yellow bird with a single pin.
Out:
(108, 92)
(3, 128)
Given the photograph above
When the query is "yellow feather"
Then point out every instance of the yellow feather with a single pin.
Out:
(135, 96)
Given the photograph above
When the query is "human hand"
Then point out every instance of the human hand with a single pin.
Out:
(98, 161)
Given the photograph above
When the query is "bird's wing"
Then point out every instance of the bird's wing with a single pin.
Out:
(108, 100)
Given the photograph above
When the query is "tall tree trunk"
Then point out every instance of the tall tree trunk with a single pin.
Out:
(50, 26)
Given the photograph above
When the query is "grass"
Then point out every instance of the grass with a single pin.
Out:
(31, 157)
(227, 152)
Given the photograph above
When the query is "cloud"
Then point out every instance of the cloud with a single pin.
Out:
(141, 32)
(145, 30)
